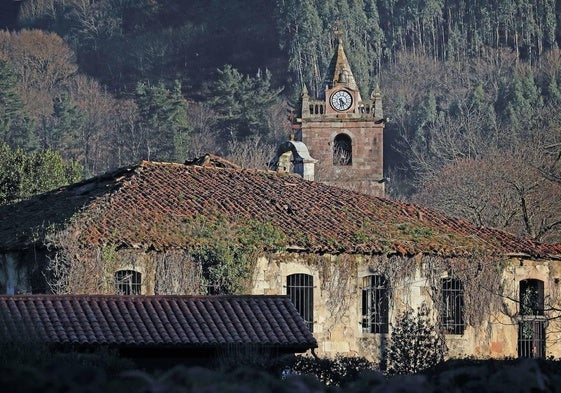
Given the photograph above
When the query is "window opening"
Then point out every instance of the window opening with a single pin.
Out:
(452, 316)
(342, 150)
(300, 290)
(375, 304)
(128, 282)
(531, 327)
(531, 297)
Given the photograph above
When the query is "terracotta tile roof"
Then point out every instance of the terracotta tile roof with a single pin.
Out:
(154, 205)
(179, 321)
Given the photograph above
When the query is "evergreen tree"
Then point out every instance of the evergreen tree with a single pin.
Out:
(364, 39)
(16, 128)
(23, 175)
(163, 121)
(480, 106)
(481, 103)
(521, 100)
(242, 103)
(177, 118)
(65, 129)
(308, 33)
(301, 33)
(427, 115)
(554, 91)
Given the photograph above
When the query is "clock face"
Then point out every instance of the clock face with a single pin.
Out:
(341, 100)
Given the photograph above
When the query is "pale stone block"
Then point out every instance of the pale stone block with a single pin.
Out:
(336, 347)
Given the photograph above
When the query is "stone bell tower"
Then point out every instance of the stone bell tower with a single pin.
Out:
(343, 132)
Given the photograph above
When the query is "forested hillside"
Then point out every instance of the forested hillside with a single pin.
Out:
(472, 88)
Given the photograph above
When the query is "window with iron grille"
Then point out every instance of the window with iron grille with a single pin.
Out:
(375, 304)
(531, 338)
(531, 326)
(300, 289)
(452, 316)
(128, 282)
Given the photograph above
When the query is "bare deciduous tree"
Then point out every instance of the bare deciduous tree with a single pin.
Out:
(503, 190)
(204, 138)
(251, 152)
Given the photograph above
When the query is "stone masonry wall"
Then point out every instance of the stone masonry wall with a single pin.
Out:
(367, 153)
(337, 322)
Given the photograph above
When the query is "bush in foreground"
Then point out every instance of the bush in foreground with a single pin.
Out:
(106, 373)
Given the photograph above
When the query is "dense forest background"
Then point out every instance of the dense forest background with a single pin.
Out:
(472, 88)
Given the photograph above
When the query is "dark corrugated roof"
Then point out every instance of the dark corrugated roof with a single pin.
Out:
(180, 321)
(154, 205)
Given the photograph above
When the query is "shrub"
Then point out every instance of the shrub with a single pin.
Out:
(338, 371)
(415, 344)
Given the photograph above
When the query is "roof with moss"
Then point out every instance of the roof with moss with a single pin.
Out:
(160, 206)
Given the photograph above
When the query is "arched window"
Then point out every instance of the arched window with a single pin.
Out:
(531, 328)
(128, 282)
(531, 297)
(342, 150)
(300, 289)
(452, 315)
(375, 304)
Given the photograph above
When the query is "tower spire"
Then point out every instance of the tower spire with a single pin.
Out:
(341, 69)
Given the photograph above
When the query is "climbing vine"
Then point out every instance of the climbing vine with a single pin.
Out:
(336, 278)
(481, 279)
(217, 258)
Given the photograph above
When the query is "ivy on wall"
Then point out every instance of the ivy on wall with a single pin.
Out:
(481, 277)
(218, 259)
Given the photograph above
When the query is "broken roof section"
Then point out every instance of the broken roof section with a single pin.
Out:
(155, 205)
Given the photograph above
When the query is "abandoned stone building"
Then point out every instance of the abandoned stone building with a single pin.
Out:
(350, 262)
